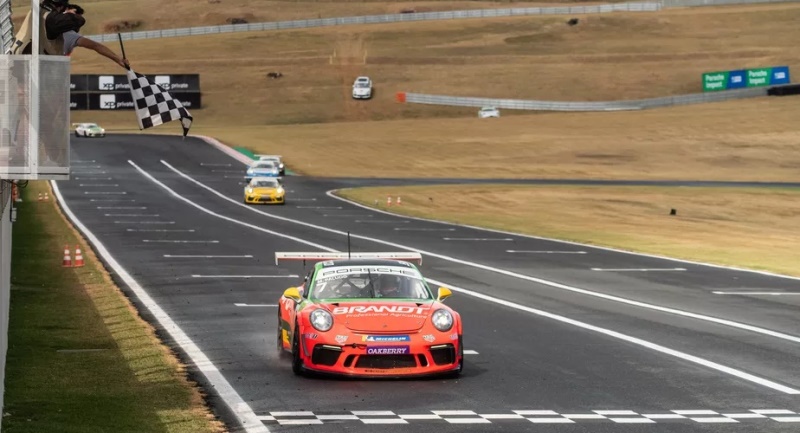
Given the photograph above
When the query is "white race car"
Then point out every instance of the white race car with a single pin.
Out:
(486, 112)
(89, 130)
(276, 159)
(362, 88)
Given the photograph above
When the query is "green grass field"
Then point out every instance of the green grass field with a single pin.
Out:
(80, 359)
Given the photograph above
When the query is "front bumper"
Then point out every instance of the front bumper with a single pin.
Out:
(422, 359)
(264, 199)
(362, 96)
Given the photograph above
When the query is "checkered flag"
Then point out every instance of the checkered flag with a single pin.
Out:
(154, 105)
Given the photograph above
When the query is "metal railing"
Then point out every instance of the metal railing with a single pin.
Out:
(6, 26)
(381, 19)
(634, 104)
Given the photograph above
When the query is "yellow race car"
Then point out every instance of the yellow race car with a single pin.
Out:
(264, 190)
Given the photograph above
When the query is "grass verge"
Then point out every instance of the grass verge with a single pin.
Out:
(751, 228)
(80, 359)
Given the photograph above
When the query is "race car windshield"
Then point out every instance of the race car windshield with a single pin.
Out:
(370, 285)
(265, 165)
(362, 85)
(265, 184)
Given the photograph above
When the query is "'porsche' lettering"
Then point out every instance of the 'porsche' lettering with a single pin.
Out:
(388, 309)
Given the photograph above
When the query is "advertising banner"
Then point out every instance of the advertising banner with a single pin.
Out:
(737, 79)
(780, 75)
(78, 101)
(713, 81)
(758, 77)
(170, 82)
(741, 78)
(78, 83)
(124, 101)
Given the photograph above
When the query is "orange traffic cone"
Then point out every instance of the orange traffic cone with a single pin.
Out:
(78, 257)
(398, 200)
(389, 201)
(67, 263)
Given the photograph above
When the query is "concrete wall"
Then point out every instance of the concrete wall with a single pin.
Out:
(5, 283)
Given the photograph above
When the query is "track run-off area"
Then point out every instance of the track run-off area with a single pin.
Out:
(574, 337)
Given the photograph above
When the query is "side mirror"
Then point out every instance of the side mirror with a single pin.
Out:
(293, 294)
(444, 293)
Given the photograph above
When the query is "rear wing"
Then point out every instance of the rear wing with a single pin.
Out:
(323, 256)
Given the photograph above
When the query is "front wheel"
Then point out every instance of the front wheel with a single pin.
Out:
(297, 361)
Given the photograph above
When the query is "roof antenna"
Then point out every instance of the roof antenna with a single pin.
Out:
(348, 244)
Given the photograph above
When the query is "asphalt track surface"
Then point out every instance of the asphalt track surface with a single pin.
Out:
(583, 339)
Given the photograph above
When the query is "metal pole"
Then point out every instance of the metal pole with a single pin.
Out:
(33, 93)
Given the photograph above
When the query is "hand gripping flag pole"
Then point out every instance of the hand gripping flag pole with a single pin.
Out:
(154, 105)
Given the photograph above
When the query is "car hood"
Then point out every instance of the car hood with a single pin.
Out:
(396, 316)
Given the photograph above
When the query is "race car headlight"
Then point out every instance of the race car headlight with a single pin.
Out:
(280, 191)
(281, 165)
(321, 320)
(442, 320)
(249, 171)
(249, 190)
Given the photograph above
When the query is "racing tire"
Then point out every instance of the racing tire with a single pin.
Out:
(282, 353)
(76, 134)
(297, 361)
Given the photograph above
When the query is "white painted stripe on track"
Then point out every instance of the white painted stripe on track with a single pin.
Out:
(240, 409)
(742, 415)
(696, 412)
(477, 239)
(535, 412)
(256, 305)
(559, 420)
(372, 412)
(468, 420)
(244, 276)
(162, 230)
(332, 194)
(638, 341)
(553, 284)
(198, 256)
(786, 418)
(635, 420)
(171, 241)
(411, 229)
(384, 421)
(543, 252)
(758, 293)
(420, 416)
(300, 421)
(637, 269)
(663, 416)
(105, 192)
(470, 352)
(615, 412)
(700, 361)
(122, 207)
(131, 215)
(773, 412)
(502, 416)
(454, 412)
(338, 417)
(144, 222)
(714, 419)
(111, 199)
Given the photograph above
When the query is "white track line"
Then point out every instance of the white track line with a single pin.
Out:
(758, 293)
(614, 334)
(105, 192)
(256, 305)
(169, 241)
(98, 184)
(638, 269)
(122, 207)
(543, 252)
(131, 215)
(162, 230)
(411, 229)
(222, 387)
(470, 352)
(190, 256)
(245, 276)
(638, 341)
(478, 239)
(144, 222)
(675, 311)
(111, 200)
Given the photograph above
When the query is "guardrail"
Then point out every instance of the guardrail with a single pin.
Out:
(381, 19)
(634, 104)
(697, 3)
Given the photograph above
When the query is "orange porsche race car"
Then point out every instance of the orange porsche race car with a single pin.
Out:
(368, 315)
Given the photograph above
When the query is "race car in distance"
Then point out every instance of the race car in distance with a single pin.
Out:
(89, 130)
(264, 190)
(487, 112)
(277, 160)
(362, 88)
(261, 169)
(368, 315)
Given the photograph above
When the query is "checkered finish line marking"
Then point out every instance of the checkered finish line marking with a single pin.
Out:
(534, 416)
